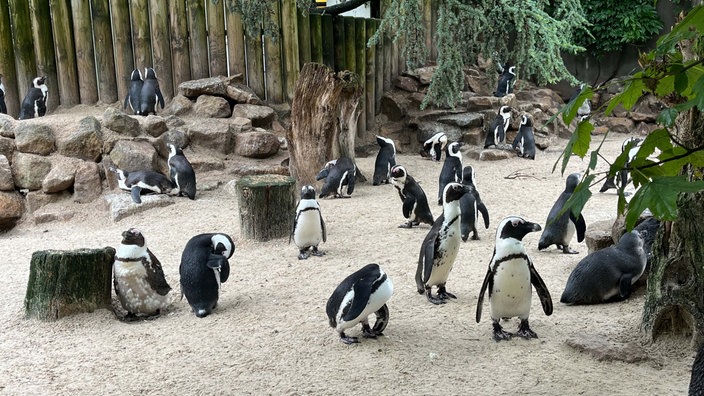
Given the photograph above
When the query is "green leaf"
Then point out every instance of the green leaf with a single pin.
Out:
(667, 117)
(659, 139)
(580, 196)
(681, 82)
(665, 86)
(570, 109)
(660, 196)
(594, 159)
(584, 138)
(630, 95)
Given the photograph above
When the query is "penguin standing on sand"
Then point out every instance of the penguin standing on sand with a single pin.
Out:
(204, 267)
(415, 203)
(560, 230)
(385, 160)
(524, 143)
(308, 225)
(509, 279)
(440, 246)
(150, 94)
(471, 205)
(434, 146)
(340, 176)
(34, 102)
(506, 80)
(181, 173)
(134, 93)
(138, 278)
(451, 169)
(3, 106)
(361, 294)
(138, 182)
(607, 274)
(496, 134)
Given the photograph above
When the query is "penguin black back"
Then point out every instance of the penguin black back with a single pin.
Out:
(471, 205)
(3, 106)
(181, 172)
(560, 229)
(338, 177)
(150, 94)
(524, 143)
(385, 160)
(506, 80)
(451, 169)
(34, 102)
(133, 98)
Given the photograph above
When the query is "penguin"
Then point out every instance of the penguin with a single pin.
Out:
(496, 134)
(136, 181)
(181, 173)
(506, 80)
(150, 95)
(632, 146)
(308, 225)
(451, 169)
(415, 203)
(138, 278)
(471, 205)
(133, 98)
(3, 106)
(361, 294)
(440, 246)
(385, 160)
(559, 230)
(524, 143)
(607, 274)
(339, 178)
(204, 267)
(34, 102)
(509, 278)
(696, 381)
(434, 146)
(585, 109)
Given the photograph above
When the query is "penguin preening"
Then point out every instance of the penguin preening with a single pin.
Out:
(134, 93)
(632, 146)
(340, 176)
(471, 205)
(34, 102)
(440, 246)
(3, 106)
(361, 294)
(181, 172)
(385, 160)
(138, 278)
(509, 278)
(434, 146)
(204, 267)
(496, 134)
(415, 203)
(150, 95)
(524, 143)
(138, 182)
(559, 230)
(451, 169)
(506, 80)
(308, 225)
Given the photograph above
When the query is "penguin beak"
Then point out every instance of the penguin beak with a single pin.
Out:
(535, 227)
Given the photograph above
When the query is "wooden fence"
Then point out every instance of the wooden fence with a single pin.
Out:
(88, 48)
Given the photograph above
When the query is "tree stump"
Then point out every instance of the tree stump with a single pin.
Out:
(62, 283)
(267, 204)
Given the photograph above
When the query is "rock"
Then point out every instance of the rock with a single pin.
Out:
(179, 105)
(543, 97)
(205, 86)
(134, 155)
(212, 107)
(29, 170)
(246, 170)
(256, 144)
(407, 84)
(173, 121)
(85, 143)
(261, 116)
(49, 216)
(427, 129)
(7, 147)
(480, 103)
(423, 74)
(605, 350)
(478, 82)
(202, 163)
(394, 106)
(11, 209)
(495, 155)
(87, 185)
(6, 182)
(241, 93)
(645, 128)
(116, 120)
(618, 124)
(642, 117)
(7, 126)
(176, 137)
(542, 142)
(216, 136)
(121, 205)
(598, 130)
(240, 124)
(34, 138)
(154, 125)
(61, 175)
(399, 133)
(598, 235)
(463, 120)
(648, 104)
(37, 199)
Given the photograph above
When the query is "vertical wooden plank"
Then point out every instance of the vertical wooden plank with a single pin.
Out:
(122, 41)
(236, 45)
(44, 49)
(433, 49)
(349, 45)
(428, 23)
(180, 53)
(7, 62)
(65, 53)
(255, 65)
(290, 46)
(388, 56)
(161, 47)
(305, 39)
(104, 57)
(378, 70)
(216, 38)
(25, 61)
(274, 64)
(141, 36)
(328, 40)
(316, 38)
(394, 59)
(340, 56)
(370, 78)
(198, 39)
(85, 57)
(360, 41)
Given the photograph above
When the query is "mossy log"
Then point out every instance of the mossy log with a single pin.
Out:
(267, 204)
(62, 283)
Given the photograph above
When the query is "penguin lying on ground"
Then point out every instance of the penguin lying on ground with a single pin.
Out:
(364, 292)
(138, 182)
(138, 278)
(506, 80)
(434, 146)
(509, 279)
(34, 102)
(524, 143)
(607, 275)
(204, 266)
(496, 134)
(696, 381)
(632, 145)
(559, 230)
(340, 176)
(3, 106)
(415, 203)
(134, 93)
(181, 172)
(451, 169)
(471, 205)
(150, 95)
(385, 160)
(308, 225)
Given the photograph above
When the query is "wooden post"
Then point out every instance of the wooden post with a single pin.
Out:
(161, 47)
(370, 75)
(255, 65)
(274, 64)
(122, 40)
(85, 57)
(290, 44)
(360, 44)
(7, 62)
(24, 46)
(349, 44)
(340, 57)
(328, 41)
(305, 40)
(65, 53)
(267, 206)
(63, 283)
(104, 57)
(235, 45)
(180, 53)
(141, 36)
(198, 39)
(44, 50)
(216, 38)
(388, 51)
(316, 39)
(379, 70)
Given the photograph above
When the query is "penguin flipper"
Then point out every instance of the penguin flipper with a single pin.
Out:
(485, 213)
(295, 221)
(322, 227)
(322, 174)
(487, 280)
(160, 98)
(155, 275)
(624, 286)
(362, 288)
(350, 181)
(136, 191)
(580, 225)
(218, 261)
(540, 288)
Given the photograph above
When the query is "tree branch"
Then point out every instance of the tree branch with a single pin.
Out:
(339, 8)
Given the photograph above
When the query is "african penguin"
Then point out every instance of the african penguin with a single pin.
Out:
(696, 381)
(585, 109)
(181, 173)
(607, 274)
(3, 106)
(415, 203)
(471, 205)
(150, 95)
(138, 182)
(434, 146)
(339, 178)
(560, 230)
(204, 267)
(524, 143)
(138, 278)
(509, 279)
(632, 146)
(308, 225)
(361, 294)
(440, 246)
(385, 160)
(506, 81)
(451, 169)
(134, 93)
(496, 134)
(34, 102)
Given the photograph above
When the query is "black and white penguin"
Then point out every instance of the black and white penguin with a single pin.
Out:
(415, 203)
(524, 143)
(361, 294)
(696, 381)
(560, 230)
(585, 109)
(434, 146)
(138, 278)
(150, 95)
(632, 146)
(471, 205)
(134, 93)
(607, 274)
(181, 172)
(204, 267)
(339, 176)
(451, 169)
(34, 102)
(440, 246)
(497, 130)
(385, 160)
(506, 80)
(509, 278)
(3, 106)
(139, 182)
(308, 225)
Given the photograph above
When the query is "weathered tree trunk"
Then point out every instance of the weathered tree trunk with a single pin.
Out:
(62, 283)
(323, 120)
(267, 206)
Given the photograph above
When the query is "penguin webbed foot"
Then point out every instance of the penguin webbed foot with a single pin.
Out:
(444, 294)
(475, 236)
(524, 330)
(348, 340)
(433, 299)
(367, 331)
(303, 254)
(317, 253)
(406, 225)
(566, 250)
(500, 334)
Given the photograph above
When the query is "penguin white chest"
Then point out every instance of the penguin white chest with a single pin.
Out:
(376, 300)
(309, 231)
(446, 253)
(135, 293)
(511, 293)
(569, 232)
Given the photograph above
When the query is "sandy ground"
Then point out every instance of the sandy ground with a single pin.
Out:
(270, 334)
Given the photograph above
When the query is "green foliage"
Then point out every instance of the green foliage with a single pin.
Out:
(404, 18)
(256, 16)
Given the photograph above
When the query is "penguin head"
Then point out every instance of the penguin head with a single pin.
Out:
(512, 70)
(149, 73)
(453, 149)
(453, 192)
(515, 227)
(572, 182)
(119, 172)
(133, 237)
(174, 150)
(38, 81)
(136, 75)
(398, 173)
(526, 120)
(222, 244)
(505, 112)
(468, 175)
(631, 241)
(308, 192)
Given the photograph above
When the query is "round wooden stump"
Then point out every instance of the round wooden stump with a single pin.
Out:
(267, 205)
(63, 283)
